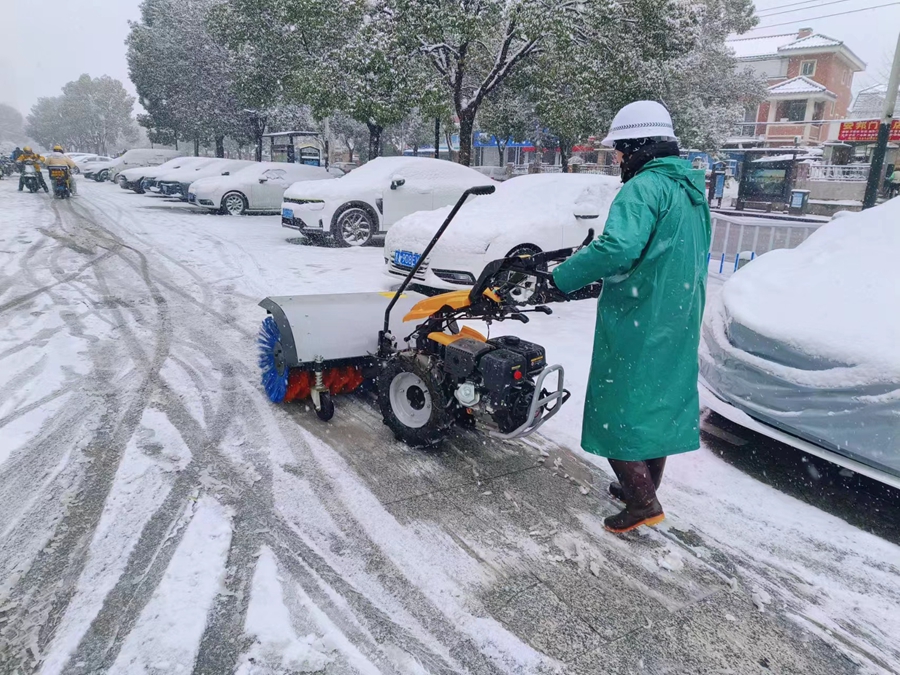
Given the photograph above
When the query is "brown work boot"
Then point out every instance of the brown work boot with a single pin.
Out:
(656, 467)
(631, 517)
(639, 490)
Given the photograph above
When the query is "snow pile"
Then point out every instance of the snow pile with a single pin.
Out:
(524, 203)
(835, 297)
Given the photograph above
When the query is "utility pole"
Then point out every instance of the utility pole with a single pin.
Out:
(884, 131)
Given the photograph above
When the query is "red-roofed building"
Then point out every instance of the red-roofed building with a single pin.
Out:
(810, 77)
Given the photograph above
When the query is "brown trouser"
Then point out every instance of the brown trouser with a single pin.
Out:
(639, 479)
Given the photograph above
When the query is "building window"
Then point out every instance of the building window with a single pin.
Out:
(832, 109)
(790, 111)
(808, 68)
(844, 76)
(818, 111)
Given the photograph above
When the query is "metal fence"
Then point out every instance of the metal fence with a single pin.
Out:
(733, 235)
(834, 172)
(600, 169)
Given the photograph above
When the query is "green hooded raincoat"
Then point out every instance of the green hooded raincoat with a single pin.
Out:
(642, 400)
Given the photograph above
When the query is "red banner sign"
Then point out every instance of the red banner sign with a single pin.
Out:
(866, 131)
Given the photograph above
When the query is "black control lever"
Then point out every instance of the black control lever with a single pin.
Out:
(588, 239)
(518, 316)
(543, 309)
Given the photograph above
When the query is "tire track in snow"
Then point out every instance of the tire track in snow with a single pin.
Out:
(100, 644)
(42, 594)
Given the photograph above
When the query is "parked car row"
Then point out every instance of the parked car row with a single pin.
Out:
(139, 157)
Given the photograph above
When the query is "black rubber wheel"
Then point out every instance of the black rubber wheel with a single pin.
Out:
(326, 411)
(102, 176)
(354, 224)
(413, 401)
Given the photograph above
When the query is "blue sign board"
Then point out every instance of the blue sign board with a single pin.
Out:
(720, 186)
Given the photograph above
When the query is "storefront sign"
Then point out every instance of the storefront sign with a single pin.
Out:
(866, 131)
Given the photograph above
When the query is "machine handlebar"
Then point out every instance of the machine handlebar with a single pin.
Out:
(477, 190)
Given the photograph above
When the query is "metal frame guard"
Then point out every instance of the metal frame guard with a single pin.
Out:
(532, 424)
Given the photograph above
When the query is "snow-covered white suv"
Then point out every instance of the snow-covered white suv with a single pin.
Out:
(368, 200)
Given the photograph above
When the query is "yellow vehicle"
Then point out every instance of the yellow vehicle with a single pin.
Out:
(438, 374)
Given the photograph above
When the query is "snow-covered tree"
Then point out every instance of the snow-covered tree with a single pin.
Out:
(508, 116)
(185, 79)
(349, 135)
(673, 52)
(473, 47)
(91, 114)
(12, 126)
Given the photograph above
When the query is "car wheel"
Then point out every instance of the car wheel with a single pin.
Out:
(102, 176)
(234, 204)
(354, 225)
(522, 286)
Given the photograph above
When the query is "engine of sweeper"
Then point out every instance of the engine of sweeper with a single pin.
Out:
(490, 378)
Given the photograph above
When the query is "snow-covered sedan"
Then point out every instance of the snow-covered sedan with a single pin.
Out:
(258, 188)
(370, 199)
(527, 214)
(85, 162)
(177, 182)
(803, 344)
(141, 178)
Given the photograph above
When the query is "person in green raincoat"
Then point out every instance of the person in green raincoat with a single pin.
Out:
(642, 402)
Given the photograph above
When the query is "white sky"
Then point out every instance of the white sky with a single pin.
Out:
(49, 43)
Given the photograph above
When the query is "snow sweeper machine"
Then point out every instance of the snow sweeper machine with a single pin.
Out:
(437, 374)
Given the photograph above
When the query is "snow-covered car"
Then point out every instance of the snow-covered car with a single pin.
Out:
(84, 162)
(370, 199)
(142, 157)
(803, 344)
(142, 178)
(177, 182)
(497, 173)
(527, 214)
(258, 188)
(100, 171)
(139, 157)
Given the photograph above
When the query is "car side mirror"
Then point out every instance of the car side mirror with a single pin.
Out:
(397, 182)
(226, 173)
(263, 180)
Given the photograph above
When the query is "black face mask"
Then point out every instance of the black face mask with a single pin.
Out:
(638, 151)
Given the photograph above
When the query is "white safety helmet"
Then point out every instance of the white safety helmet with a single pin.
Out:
(641, 119)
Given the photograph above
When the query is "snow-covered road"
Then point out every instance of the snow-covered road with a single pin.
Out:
(159, 515)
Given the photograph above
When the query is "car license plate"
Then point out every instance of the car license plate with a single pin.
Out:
(406, 258)
(287, 213)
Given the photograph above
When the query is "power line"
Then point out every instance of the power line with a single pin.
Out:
(823, 16)
(801, 9)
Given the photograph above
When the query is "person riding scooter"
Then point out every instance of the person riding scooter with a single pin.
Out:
(37, 160)
(59, 158)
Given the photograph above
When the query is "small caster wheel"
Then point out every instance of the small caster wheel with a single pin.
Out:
(326, 407)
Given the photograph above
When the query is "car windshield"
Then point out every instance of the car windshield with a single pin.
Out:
(438, 337)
